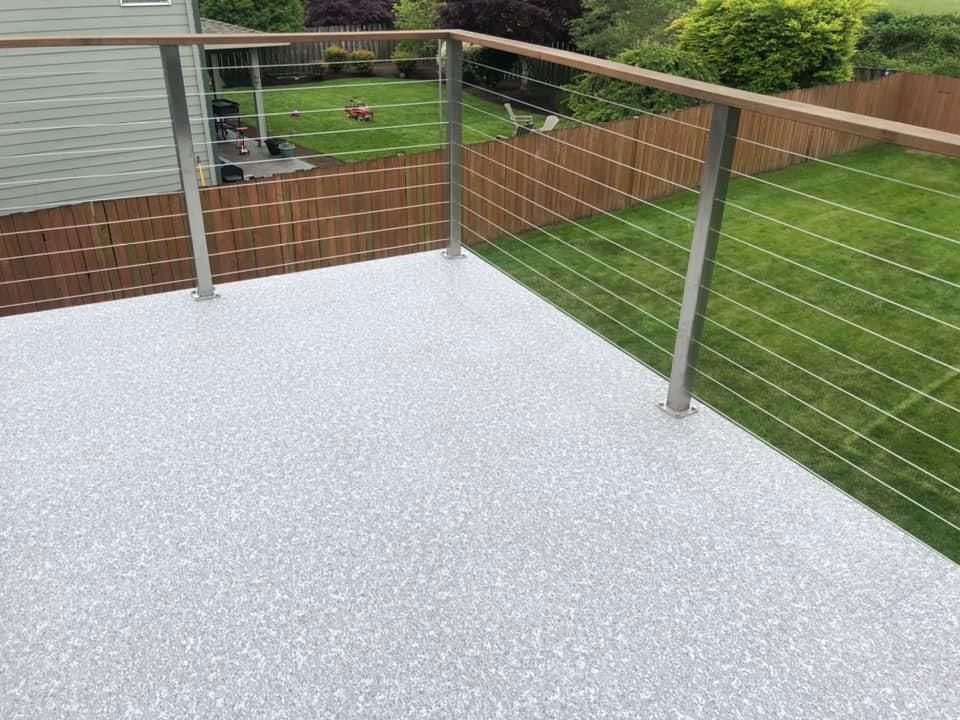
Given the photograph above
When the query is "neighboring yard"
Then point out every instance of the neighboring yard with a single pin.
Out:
(933, 212)
(930, 7)
(350, 136)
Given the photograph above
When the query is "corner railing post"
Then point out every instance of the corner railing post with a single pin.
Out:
(183, 141)
(454, 148)
(703, 251)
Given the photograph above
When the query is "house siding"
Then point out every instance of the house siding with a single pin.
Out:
(42, 163)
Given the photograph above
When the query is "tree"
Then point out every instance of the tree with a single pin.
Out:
(608, 27)
(416, 15)
(265, 15)
(628, 99)
(774, 45)
(917, 43)
(324, 13)
(536, 21)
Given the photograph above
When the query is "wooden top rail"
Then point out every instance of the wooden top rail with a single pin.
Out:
(911, 136)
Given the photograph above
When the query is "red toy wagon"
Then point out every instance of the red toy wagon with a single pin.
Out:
(357, 110)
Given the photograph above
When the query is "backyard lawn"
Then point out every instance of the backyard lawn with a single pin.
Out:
(321, 107)
(830, 447)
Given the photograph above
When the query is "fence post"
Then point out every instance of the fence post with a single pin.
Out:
(256, 81)
(703, 250)
(454, 140)
(183, 140)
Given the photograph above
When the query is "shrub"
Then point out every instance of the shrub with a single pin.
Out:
(335, 56)
(491, 63)
(362, 62)
(917, 43)
(642, 98)
(266, 15)
(774, 45)
(405, 60)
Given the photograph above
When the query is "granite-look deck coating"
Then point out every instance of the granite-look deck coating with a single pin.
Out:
(411, 489)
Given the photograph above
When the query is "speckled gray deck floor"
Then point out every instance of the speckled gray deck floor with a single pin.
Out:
(411, 489)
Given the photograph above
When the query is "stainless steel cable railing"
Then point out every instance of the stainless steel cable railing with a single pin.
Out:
(725, 253)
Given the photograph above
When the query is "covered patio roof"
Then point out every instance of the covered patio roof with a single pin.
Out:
(218, 27)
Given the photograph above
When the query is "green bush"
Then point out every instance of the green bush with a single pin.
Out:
(335, 56)
(265, 15)
(406, 60)
(633, 99)
(774, 45)
(362, 62)
(917, 43)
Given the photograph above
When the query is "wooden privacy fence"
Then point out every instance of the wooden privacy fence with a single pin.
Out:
(110, 249)
(394, 205)
(574, 172)
(299, 59)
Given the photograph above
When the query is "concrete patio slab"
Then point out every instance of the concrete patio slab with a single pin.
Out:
(409, 488)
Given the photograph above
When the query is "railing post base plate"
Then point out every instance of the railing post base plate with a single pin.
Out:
(677, 415)
(202, 298)
(459, 256)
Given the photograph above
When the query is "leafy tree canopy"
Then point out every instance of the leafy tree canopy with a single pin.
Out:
(625, 99)
(324, 13)
(417, 14)
(774, 45)
(265, 15)
(536, 21)
(918, 43)
(608, 27)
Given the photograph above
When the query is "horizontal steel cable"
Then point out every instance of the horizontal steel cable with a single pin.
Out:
(325, 217)
(434, 146)
(733, 238)
(841, 206)
(841, 166)
(293, 201)
(585, 124)
(333, 173)
(832, 452)
(571, 91)
(820, 344)
(827, 416)
(90, 271)
(608, 213)
(257, 248)
(99, 292)
(94, 248)
(569, 292)
(673, 329)
(583, 252)
(204, 93)
(566, 267)
(552, 136)
(330, 257)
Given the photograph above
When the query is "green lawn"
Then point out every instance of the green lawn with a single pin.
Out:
(935, 213)
(350, 140)
(921, 7)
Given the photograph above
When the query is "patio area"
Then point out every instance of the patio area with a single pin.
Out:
(410, 488)
(258, 162)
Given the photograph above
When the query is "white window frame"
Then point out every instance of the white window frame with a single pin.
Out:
(144, 3)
